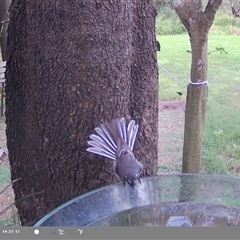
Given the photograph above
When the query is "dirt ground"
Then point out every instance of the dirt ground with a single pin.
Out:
(171, 128)
(171, 121)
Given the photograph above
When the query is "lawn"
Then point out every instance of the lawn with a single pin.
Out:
(221, 143)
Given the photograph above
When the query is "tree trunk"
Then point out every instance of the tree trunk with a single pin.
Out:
(73, 65)
(197, 23)
(4, 6)
(195, 106)
(144, 83)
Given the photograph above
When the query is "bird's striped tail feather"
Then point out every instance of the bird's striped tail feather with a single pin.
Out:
(103, 142)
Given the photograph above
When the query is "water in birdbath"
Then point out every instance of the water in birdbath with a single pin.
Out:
(175, 215)
(167, 200)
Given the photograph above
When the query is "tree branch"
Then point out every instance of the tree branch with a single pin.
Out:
(192, 16)
(9, 186)
(212, 8)
(188, 11)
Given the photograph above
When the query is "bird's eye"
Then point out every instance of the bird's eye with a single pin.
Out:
(123, 153)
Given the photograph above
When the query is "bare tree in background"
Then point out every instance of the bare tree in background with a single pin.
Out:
(235, 8)
(197, 21)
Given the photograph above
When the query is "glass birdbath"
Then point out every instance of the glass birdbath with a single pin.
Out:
(164, 200)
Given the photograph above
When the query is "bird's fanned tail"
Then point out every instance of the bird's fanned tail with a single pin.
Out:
(104, 141)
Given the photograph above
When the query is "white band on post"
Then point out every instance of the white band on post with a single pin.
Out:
(198, 83)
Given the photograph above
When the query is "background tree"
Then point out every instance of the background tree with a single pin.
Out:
(235, 8)
(4, 6)
(197, 22)
(72, 65)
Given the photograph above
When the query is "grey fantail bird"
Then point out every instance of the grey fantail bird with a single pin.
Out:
(115, 140)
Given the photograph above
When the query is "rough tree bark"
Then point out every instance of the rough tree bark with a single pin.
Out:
(4, 6)
(197, 22)
(72, 65)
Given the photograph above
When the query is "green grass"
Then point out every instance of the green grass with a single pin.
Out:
(5, 176)
(221, 143)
